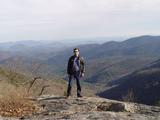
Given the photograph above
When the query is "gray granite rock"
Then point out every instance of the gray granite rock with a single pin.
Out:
(91, 108)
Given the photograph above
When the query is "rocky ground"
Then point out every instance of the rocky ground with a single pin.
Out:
(90, 108)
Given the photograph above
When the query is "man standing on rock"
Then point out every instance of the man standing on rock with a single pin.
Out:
(75, 70)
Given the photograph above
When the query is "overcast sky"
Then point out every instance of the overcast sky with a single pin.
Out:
(63, 19)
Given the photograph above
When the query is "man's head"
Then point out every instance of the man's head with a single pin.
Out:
(76, 52)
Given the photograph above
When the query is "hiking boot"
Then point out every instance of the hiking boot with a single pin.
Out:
(67, 96)
(79, 96)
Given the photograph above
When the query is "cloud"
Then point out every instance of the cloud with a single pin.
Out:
(60, 19)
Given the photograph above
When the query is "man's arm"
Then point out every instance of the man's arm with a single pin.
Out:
(83, 65)
(68, 66)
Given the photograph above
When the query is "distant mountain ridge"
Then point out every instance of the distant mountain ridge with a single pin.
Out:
(104, 62)
(145, 84)
(112, 60)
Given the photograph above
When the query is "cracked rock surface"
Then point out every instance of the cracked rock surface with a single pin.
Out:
(90, 108)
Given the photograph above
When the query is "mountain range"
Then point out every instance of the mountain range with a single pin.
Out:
(111, 60)
(106, 63)
(143, 83)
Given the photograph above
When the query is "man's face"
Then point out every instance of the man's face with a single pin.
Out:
(76, 53)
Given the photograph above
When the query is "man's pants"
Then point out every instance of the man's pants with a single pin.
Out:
(71, 77)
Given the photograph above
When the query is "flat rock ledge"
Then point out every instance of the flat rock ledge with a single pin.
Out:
(90, 108)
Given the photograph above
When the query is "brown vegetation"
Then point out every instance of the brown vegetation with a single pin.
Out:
(13, 101)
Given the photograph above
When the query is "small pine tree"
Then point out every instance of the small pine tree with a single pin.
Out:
(130, 97)
(158, 103)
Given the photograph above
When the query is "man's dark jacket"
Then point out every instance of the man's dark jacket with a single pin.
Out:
(70, 70)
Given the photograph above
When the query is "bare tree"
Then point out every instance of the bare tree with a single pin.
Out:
(42, 90)
(130, 97)
(32, 83)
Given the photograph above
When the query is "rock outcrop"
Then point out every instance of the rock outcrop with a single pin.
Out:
(91, 108)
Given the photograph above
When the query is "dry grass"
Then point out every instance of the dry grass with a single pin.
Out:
(13, 102)
(15, 88)
(51, 87)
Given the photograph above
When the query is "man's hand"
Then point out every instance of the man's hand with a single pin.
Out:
(82, 74)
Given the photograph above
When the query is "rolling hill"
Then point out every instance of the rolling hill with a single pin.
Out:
(104, 62)
(143, 84)
(111, 60)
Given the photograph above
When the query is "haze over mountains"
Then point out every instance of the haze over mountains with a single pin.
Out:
(112, 60)
(105, 62)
